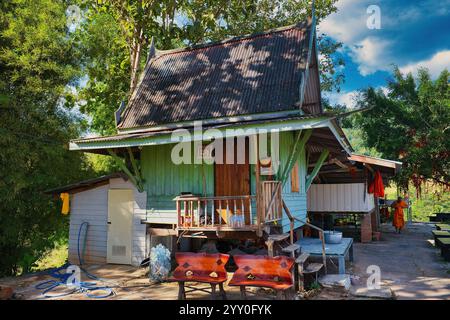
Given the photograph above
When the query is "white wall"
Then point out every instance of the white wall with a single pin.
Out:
(345, 197)
(92, 206)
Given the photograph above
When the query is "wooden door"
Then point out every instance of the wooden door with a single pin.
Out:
(120, 218)
(233, 179)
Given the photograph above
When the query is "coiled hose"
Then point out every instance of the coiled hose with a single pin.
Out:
(91, 289)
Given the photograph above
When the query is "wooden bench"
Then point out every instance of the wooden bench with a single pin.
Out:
(440, 234)
(443, 226)
(444, 244)
(200, 267)
(263, 271)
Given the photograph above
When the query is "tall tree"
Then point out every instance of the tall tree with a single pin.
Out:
(37, 62)
(411, 124)
(130, 25)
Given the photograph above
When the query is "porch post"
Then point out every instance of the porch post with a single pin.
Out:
(259, 209)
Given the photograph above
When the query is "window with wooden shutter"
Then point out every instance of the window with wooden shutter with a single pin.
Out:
(295, 183)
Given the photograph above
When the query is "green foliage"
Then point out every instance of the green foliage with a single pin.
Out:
(411, 124)
(356, 138)
(115, 36)
(37, 63)
(434, 198)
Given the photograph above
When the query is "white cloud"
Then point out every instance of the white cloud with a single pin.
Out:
(435, 64)
(373, 50)
(348, 23)
(343, 98)
(370, 55)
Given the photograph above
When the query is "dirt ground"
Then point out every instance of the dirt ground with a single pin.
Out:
(410, 267)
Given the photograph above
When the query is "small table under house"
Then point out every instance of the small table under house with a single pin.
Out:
(341, 251)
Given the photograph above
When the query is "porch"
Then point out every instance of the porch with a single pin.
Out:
(197, 215)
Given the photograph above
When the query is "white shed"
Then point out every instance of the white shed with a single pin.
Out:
(105, 221)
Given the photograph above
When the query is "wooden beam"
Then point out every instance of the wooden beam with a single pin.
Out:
(136, 170)
(374, 161)
(339, 163)
(368, 166)
(298, 146)
(322, 158)
(339, 171)
(122, 165)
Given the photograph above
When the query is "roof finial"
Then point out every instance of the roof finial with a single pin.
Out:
(151, 50)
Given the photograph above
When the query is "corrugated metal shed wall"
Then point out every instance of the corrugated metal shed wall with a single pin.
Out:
(346, 197)
(92, 206)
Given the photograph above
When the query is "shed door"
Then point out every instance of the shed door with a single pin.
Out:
(120, 218)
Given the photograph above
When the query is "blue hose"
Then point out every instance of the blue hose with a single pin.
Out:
(61, 278)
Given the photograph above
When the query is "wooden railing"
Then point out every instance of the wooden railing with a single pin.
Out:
(272, 205)
(207, 212)
(271, 201)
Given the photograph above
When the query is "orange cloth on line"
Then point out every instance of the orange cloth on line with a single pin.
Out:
(65, 205)
(398, 221)
(377, 186)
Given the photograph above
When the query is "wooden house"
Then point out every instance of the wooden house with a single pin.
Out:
(236, 89)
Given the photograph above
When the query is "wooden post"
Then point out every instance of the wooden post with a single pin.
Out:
(213, 291)
(291, 224)
(301, 278)
(181, 291)
(222, 291)
(269, 244)
(259, 208)
(243, 294)
(324, 257)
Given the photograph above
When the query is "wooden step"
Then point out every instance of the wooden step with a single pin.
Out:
(313, 268)
(302, 258)
(278, 237)
(291, 248)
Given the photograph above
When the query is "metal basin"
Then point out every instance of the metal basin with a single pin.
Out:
(333, 237)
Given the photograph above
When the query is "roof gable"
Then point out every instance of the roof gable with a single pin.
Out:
(241, 76)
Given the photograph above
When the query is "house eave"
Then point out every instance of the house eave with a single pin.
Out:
(204, 134)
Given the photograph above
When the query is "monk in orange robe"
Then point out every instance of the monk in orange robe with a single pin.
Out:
(398, 221)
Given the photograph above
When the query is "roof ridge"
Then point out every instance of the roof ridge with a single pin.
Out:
(302, 24)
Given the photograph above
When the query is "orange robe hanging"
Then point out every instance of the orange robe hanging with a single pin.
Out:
(377, 187)
(398, 221)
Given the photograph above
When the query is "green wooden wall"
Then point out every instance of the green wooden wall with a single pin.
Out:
(164, 180)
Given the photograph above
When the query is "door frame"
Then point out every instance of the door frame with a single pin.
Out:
(129, 256)
(247, 156)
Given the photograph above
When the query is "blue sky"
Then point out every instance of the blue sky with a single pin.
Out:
(413, 34)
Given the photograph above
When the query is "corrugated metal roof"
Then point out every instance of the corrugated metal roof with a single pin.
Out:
(86, 184)
(255, 74)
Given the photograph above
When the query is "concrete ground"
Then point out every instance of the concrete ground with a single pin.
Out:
(409, 263)
(410, 267)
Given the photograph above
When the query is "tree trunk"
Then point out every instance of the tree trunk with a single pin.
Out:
(135, 57)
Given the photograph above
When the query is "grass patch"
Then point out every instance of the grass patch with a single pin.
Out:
(53, 258)
(433, 199)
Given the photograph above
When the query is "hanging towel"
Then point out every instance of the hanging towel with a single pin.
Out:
(377, 187)
(65, 205)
